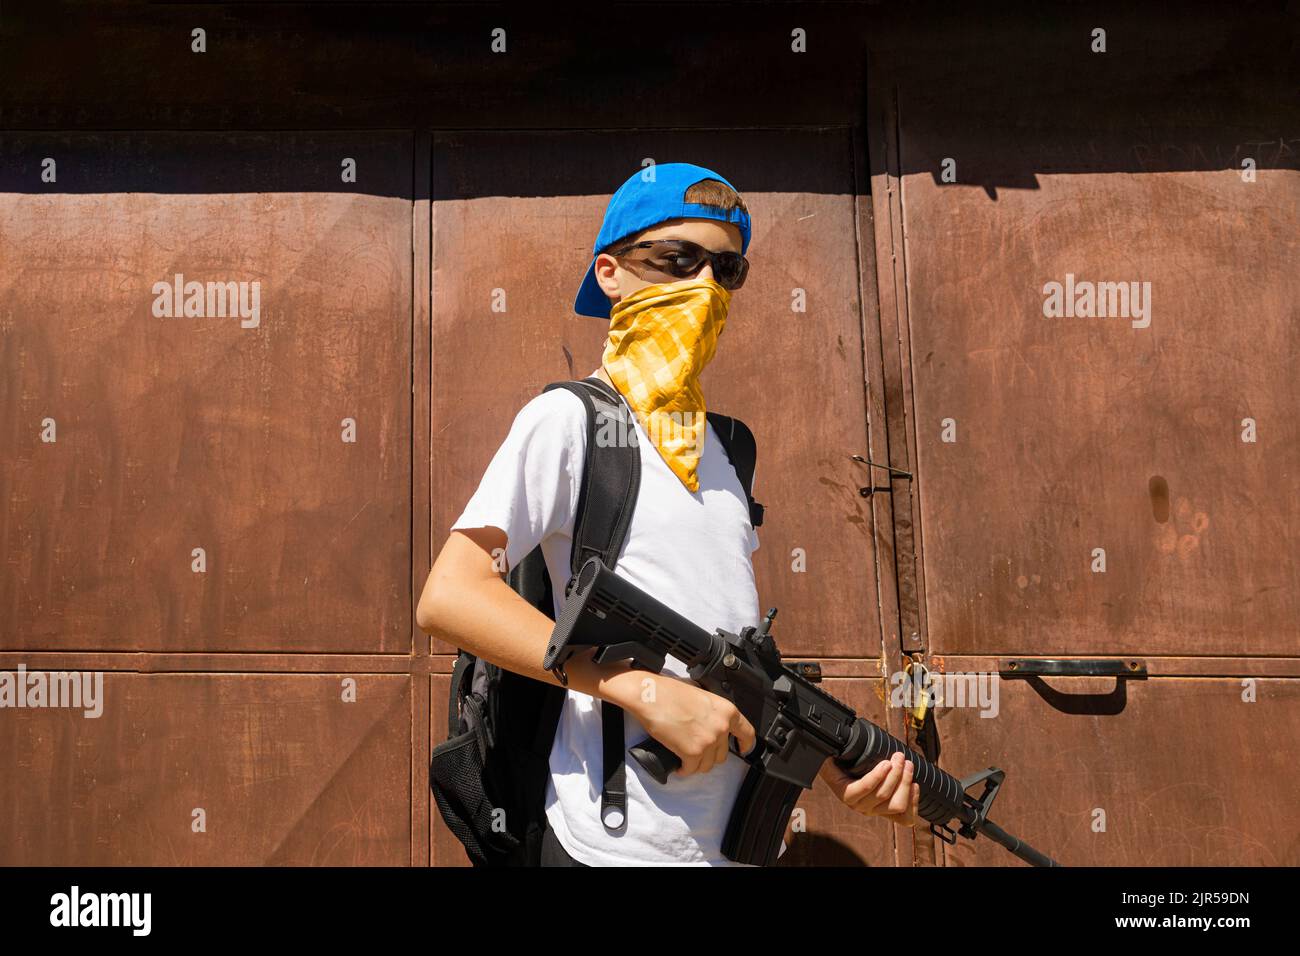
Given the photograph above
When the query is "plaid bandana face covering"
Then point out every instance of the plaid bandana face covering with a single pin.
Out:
(660, 339)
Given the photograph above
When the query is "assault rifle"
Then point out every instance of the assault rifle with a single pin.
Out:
(797, 725)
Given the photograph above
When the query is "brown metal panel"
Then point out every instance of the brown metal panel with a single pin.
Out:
(421, 744)
(441, 663)
(1180, 771)
(421, 463)
(796, 378)
(1076, 434)
(194, 432)
(421, 377)
(284, 769)
(147, 663)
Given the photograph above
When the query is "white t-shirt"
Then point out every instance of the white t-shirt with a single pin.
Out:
(690, 550)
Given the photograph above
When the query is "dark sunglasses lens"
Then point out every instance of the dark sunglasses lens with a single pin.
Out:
(680, 259)
(683, 259)
(730, 269)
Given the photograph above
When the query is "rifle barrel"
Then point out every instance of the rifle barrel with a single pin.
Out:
(1016, 845)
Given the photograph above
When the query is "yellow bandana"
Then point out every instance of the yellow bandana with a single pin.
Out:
(660, 339)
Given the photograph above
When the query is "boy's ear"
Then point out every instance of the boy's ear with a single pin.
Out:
(607, 276)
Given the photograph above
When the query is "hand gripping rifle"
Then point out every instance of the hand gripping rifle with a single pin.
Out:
(797, 725)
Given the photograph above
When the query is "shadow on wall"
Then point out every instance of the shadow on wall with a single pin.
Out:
(816, 849)
(1005, 98)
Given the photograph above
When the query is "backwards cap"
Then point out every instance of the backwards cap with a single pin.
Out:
(650, 196)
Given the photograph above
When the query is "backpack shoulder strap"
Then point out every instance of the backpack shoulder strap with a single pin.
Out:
(611, 478)
(739, 444)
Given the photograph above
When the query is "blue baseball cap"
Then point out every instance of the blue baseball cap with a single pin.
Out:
(638, 205)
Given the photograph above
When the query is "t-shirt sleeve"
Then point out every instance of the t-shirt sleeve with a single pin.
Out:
(530, 488)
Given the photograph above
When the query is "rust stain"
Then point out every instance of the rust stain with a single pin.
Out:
(1182, 535)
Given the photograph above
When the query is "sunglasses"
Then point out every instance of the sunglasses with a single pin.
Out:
(681, 259)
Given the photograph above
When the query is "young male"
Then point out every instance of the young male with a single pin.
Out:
(668, 258)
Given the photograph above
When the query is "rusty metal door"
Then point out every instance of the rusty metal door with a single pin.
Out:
(206, 499)
(1096, 336)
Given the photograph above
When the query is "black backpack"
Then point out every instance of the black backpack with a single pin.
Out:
(489, 777)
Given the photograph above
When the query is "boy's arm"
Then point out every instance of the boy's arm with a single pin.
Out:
(467, 603)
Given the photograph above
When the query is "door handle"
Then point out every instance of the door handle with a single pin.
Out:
(1072, 667)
